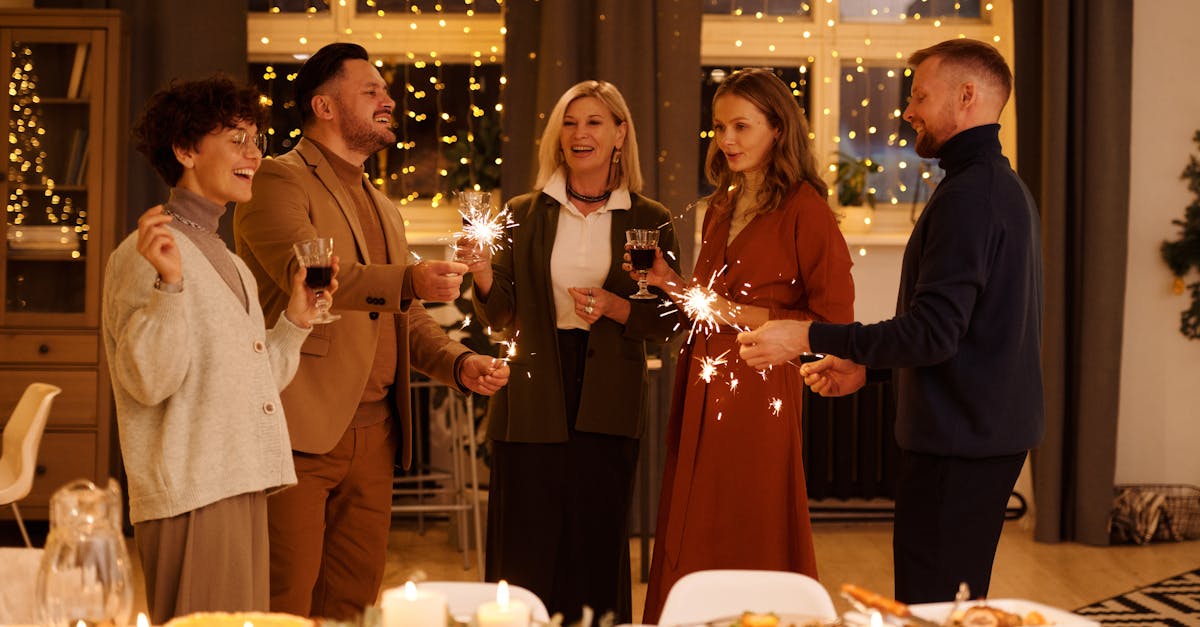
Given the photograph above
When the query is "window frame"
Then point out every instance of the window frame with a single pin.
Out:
(458, 38)
(889, 45)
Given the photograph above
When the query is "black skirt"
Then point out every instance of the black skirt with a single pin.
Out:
(558, 514)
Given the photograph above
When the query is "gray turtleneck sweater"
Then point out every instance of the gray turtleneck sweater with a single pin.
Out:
(197, 217)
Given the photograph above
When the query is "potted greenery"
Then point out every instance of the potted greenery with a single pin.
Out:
(853, 192)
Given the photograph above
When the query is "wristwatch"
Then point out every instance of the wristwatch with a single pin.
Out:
(169, 288)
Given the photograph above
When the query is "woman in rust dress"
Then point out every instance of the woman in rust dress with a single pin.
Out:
(733, 492)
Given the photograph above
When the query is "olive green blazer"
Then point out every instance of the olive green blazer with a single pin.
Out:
(531, 408)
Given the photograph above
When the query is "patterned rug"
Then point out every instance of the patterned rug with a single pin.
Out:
(1174, 602)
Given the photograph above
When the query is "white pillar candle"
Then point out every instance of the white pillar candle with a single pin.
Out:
(503, 612)
(409, 607)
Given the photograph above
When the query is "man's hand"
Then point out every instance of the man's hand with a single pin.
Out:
(834, 376)
(774, 343)
(438, 281)
(157, 245)
(483, 374)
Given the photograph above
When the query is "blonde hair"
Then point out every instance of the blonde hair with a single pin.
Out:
(550, 156)
(791, 159)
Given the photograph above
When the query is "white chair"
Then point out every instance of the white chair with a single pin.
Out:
(464, 597)
(22, 435)
(703, 596)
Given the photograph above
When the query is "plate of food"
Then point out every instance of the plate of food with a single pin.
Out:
(999, 613)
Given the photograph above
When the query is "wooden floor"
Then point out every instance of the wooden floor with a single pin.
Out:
(1065, 575)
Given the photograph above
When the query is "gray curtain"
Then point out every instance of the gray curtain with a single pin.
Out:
(1072, 81)
(649, 49)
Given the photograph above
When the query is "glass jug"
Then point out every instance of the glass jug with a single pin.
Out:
(85, 574)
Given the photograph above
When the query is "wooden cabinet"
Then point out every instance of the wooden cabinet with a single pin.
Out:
(63, 110)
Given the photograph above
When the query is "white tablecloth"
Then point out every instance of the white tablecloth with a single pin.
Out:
(18, 570)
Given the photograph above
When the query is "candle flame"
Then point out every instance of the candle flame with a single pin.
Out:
(142, 621)
(876, 619)
(502, 594)
(410, 591)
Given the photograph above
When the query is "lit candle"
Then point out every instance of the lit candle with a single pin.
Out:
(876, 619)
(410, 607)
(142, 621)
(503, 612)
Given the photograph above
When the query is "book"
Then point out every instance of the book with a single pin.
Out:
(77, 70)
(76, 158)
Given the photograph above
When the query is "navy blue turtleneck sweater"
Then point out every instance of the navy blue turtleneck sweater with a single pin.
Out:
(965, 344)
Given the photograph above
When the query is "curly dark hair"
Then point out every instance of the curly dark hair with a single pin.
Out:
(185, 111)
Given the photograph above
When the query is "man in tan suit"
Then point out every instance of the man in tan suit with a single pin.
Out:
(348, 407)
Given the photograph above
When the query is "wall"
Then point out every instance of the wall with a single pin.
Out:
(1159, 421)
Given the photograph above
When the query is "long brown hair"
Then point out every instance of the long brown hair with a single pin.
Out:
(791, 159)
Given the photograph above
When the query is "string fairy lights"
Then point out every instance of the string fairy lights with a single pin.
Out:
(442, 59)
(37, 201)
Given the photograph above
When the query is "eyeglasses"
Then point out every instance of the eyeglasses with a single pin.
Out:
(243, 139)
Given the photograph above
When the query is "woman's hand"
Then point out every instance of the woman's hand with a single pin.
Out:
(659, 275)
(157, 245)
(302, 305)
(593, 302)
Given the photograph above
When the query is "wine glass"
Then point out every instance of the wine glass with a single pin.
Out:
(474, 207)
(316, 255)
(642, 244)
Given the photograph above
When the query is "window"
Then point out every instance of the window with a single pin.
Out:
(442, 60)
(851, 55)
(843, 58)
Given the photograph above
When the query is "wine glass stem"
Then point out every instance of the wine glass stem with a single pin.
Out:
(322, 302)
(642, 280)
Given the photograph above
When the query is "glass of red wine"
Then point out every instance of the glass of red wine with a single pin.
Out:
(316, 255)
(642, 244)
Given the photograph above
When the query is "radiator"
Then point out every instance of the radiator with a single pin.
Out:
(850, 452)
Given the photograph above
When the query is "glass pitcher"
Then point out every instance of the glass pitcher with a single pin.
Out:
(85, 574)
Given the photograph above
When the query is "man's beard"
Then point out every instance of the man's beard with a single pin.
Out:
(365, 138)
(927, 145)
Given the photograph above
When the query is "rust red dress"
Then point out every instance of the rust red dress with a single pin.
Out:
(733, 492)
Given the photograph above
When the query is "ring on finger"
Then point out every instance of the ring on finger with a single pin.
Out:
(591, 301)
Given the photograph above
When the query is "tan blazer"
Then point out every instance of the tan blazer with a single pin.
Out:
(298, 196)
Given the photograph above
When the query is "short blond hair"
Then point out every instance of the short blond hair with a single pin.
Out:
(971, 55)
(550, 156)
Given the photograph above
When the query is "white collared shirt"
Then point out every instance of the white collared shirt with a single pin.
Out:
(582, 254)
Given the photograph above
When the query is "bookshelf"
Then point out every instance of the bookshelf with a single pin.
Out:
(63, 109)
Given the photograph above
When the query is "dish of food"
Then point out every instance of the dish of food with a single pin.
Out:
(1000, 613)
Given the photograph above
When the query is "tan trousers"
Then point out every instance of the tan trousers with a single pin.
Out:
(207, 560)
(329, 533)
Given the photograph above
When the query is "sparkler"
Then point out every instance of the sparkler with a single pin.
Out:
(776, 405)
(483, 228)
(466, 322)
(710, 365)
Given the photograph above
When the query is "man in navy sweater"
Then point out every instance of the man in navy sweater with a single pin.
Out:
(964, 347)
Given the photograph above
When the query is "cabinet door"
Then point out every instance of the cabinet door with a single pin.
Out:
(53, 107)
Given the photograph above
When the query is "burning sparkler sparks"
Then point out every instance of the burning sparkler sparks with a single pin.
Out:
(776, 405)
(483, 228)
(466, 322)
(710, 365)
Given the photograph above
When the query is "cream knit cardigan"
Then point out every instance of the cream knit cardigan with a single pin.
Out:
(196, 380)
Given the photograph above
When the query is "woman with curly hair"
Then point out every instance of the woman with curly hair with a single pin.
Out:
(196, 376)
